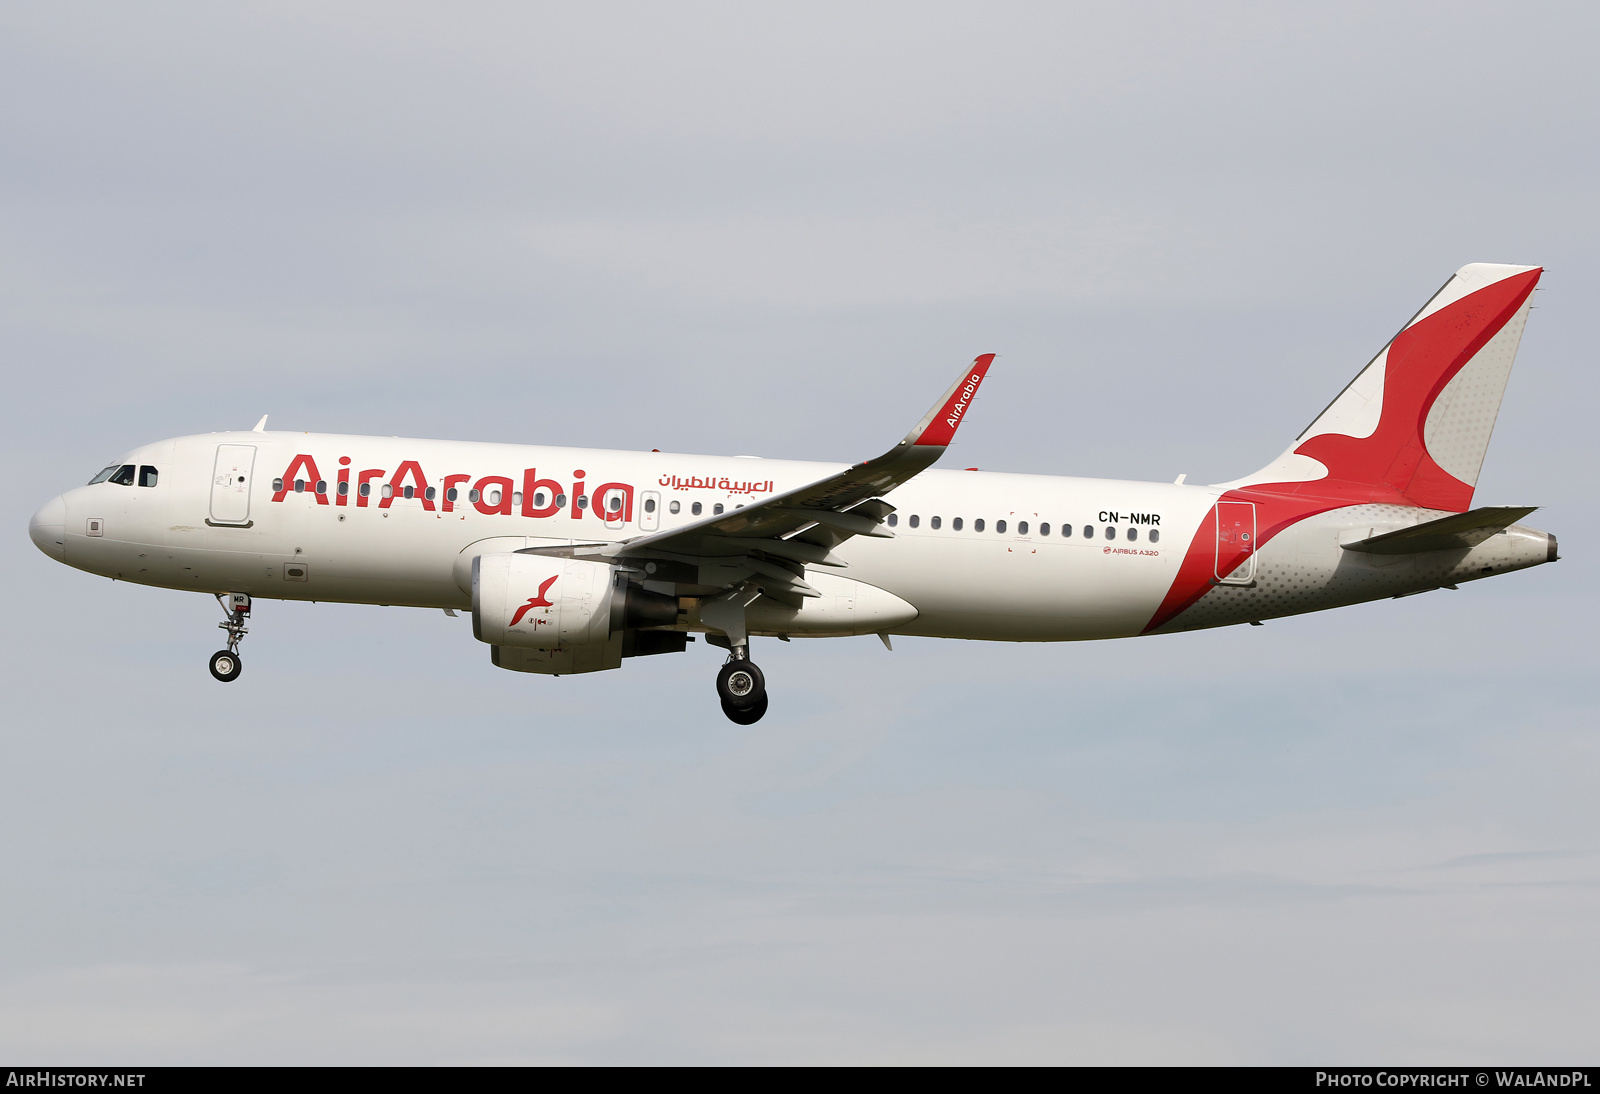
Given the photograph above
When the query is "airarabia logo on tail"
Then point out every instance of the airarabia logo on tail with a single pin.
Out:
(536, 601)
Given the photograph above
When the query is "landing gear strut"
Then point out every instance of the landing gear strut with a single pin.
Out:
(225, 664)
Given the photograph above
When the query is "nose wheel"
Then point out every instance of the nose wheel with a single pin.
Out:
(742, 689)
(225, 664)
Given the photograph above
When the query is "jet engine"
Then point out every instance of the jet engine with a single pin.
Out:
(542, 602)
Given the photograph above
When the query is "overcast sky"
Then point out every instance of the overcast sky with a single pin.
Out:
(1366, 836)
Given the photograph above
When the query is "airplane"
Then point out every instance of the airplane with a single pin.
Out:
(573, 560)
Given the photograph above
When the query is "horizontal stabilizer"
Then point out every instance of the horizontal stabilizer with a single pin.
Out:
(1445, 534)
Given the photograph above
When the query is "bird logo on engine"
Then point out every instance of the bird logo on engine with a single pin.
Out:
(540, 601)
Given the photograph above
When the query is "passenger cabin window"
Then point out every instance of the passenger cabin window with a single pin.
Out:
(716, 510)
(123, 476)
(407, 492)
(893, 519)
(583, 501)
(472, 495)
(1044, 529)
(1066, 531)
(277, 484)
(977, 525)
(451, 494)
(344, 489)
(147, 476)
(649, 505)
(674, 508)
(914, 521)
(1000, 527)
(388, 491)
(1133, 533)
(956, 524)
(1022, 527)
(933, 522)
(1088, 531)
(540, 499)
(1155, 535)
(561, 501)
(516, 499)
(429, 493)
(322, 486)
(1111, 533)
(366, 491)
(105, 474)
(695, 509)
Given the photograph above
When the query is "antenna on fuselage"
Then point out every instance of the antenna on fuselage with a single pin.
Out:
(261, 426)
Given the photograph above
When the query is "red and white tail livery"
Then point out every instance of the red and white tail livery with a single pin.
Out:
(574, 560)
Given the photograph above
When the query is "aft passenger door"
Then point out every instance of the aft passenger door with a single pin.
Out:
(230, 484)
(1236, 543)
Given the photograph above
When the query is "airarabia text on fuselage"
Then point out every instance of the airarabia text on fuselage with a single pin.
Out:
(712, 482)
(491, 495)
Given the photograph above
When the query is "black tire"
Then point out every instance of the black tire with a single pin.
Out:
(740, 685)
(746, 717)
(226, 666)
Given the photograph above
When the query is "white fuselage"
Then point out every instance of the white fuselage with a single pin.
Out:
(978, 555)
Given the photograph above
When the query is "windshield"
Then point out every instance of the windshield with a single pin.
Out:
(106, 474)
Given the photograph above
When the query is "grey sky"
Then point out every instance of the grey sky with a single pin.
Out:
(1369, 835)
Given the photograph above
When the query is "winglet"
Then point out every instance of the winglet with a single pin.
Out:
(261, 426)
(938, 428)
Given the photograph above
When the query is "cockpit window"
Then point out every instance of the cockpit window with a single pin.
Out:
(147, 475)
(106, 474)
(123, 476)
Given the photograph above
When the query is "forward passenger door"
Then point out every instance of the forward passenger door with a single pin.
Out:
(230, 484)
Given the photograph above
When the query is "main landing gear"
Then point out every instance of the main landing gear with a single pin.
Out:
(740, 685)
(742, 689)
(225, 664)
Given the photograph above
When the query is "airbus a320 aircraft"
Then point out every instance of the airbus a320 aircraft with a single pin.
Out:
(572, 560)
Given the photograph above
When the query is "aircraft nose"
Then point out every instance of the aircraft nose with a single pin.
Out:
(48, 529)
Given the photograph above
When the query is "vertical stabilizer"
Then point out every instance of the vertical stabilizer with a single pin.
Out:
(1412, 428)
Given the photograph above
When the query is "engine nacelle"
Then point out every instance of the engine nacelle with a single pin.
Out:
(539, 602)
(542, 602)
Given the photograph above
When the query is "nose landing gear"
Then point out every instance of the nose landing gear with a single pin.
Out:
(225, 664)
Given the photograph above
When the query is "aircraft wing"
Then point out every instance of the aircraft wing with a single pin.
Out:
(775, 539)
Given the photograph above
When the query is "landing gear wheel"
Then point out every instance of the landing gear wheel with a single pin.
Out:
(741, 686)
(746, 717)
(225, 665)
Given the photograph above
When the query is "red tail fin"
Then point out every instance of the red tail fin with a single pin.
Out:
(1413, 427)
